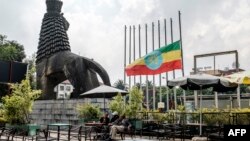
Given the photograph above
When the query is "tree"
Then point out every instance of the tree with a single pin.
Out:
(117, 104)
(32, 70)
(119, 84)
(150, 84)
(138, 85)
(11, 50)
(135, 102)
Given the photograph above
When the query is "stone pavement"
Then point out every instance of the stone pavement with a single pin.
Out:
(127, 138)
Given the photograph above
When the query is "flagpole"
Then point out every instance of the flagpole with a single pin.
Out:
(181, 44)
(182, 61)
(153, 75)
(146, 35)
(171, 28)
(139, 27)
(134, 51)
(159, 37)
(129, 54)
(125, 46)
(167, 90)
(125, 57)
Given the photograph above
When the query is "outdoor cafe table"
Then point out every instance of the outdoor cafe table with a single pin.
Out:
(59, 125)
(96, 124)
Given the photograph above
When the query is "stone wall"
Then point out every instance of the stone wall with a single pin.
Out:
(51, 111)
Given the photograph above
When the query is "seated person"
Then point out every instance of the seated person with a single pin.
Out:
(121, 124)
(104, 119)
(115, 117)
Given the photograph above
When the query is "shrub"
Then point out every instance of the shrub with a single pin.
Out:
(18, 105)
(135, 102)
(88, 111)
(117, 104)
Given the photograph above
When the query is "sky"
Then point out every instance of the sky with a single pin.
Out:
(97, 29)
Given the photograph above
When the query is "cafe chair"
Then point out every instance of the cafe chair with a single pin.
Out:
(7, 134)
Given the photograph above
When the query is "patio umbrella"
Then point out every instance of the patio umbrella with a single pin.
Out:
(202, 81)
(103, 91)
(196, 81)
(242, 77)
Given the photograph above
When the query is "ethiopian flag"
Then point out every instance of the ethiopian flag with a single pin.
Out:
(164, 59)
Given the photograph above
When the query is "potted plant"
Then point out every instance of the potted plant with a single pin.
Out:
(18, 105)
(88, 112)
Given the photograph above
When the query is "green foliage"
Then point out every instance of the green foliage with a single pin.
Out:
(88, 111)
(119, 84)
(2, 119)
(117, 104)
(18, 105)
(170, 116)
(214, 116)
(243, 115)
(181, 108)
(161, 117)
(135, 102)
(131, 108)
(209, 116)
(32, 70)
(11, 50)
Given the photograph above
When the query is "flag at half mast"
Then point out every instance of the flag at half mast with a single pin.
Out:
(164, 59)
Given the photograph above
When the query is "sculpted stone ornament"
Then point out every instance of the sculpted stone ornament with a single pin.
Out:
(56, 63)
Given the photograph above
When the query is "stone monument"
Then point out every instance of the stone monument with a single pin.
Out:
(55, 61)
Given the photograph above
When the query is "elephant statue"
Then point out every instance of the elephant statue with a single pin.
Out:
(55, 62)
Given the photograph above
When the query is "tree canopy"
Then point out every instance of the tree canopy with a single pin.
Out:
(11, 50)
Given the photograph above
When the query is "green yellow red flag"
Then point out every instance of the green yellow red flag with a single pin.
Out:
(164, 59)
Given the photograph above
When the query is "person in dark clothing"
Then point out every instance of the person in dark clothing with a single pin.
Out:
(121, 124)
(115, 117)
(104, 119)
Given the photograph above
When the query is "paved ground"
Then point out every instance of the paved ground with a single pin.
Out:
(127, 138)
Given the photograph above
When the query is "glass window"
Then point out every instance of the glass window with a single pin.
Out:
(61, 88)
(93, 100)
(68, 88)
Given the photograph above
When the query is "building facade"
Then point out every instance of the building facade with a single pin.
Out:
(63, 90)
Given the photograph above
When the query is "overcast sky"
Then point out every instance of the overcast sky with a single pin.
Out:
(97, 28)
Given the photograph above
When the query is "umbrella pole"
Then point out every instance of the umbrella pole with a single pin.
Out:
(200, 110)
(216, 99)
(175, 100)
(104, 109)
(238, 96)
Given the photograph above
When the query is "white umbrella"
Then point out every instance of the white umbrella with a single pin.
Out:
(242, 77)
(103, 91)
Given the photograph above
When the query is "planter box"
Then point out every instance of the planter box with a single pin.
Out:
(137, 123)
(31, 129)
